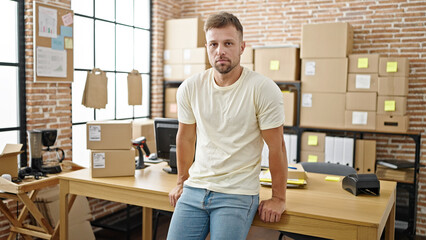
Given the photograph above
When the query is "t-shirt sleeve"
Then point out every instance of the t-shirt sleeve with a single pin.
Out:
(183, 97)
(270, 105)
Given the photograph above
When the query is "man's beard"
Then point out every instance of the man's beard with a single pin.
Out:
(223, 69)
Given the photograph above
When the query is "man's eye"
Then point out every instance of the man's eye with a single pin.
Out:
(228, 44)
(213, 44)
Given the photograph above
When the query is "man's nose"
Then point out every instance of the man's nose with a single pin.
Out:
(221, 50)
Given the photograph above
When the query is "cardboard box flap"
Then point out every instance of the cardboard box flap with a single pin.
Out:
(10, 149)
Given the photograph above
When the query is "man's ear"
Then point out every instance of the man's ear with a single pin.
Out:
(243, 46)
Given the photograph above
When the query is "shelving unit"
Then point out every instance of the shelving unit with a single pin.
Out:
(412, 188)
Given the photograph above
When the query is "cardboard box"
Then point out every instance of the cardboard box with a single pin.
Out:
(9, 159)
(249, 66)
(391, 123)
(392, 105)
(247, 56)
(171, 94)
(278, 63)
(326, 40)
(325, 75)
(289, 108)
(184, 33)
(394, 67)
(112, 163)
(195, 56)
(360, 120)
(170, 110)
(298, 173)
(364, 63)
(173, 56)
(362, 82)
(311, 156)
(191, 69)
(173, 72)
(361, 101)
(313, 142)
(325, 110)
(109, 134)
(145, 127)
(365, 156)
(393, 86)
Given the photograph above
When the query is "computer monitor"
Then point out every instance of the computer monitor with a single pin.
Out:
(165, 139)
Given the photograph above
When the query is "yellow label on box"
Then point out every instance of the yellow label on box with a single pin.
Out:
(312, 140)
(390, 106)
(332, 179)
(391, 66)
(312, 158)
(274, 65)
(362, 62)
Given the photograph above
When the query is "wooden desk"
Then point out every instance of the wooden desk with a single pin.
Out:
(322, 209)
(26, 192)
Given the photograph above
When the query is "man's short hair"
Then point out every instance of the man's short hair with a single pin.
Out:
(221, 20)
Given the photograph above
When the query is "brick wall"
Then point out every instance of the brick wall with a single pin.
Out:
(388, 27)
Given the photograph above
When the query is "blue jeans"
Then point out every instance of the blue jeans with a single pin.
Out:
(200, 211)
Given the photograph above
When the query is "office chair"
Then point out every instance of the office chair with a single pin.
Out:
(325, 168)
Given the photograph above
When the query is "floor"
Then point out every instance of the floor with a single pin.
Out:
(256, 233)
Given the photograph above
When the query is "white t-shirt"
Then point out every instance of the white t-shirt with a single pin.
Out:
(229, 120)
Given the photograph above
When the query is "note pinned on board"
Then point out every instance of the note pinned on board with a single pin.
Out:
(362, 62)
(391, 66)
(68, 43)
(274, 65)
(58, 43)
(312, 158)
(390, 106)
(312, 140)
(332, 179)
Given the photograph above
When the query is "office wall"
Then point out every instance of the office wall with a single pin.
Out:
(391, 28)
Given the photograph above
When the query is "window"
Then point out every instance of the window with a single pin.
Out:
(12, 75)
(114, 36)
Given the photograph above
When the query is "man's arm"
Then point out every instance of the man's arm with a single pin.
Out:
(185, 150)
(271, 210)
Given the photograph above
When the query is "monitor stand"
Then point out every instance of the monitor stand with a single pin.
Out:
(171, 170)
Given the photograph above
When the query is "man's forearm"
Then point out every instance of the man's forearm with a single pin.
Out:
(279, 171)
(185, 154)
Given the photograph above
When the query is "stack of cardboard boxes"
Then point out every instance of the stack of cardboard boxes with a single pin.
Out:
(392, 95)
(313, 147)
(184, 55)
(111, 150)
(324, 52)
(361, 98)
(247, 59)
(110, 142)
(281, 64)
(170, 104)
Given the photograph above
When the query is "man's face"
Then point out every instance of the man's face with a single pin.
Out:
(224, 47)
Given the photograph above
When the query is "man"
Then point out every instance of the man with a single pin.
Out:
(227, 112)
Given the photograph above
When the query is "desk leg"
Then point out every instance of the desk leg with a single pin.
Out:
(63, 207)
(390, 225)
(146, 223)
(36, 213)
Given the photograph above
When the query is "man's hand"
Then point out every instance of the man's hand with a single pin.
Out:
(174, 194)
(271, 210)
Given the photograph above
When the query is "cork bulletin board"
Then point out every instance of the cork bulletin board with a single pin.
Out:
(53, 43)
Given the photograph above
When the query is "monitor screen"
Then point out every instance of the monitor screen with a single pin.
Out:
(165, 135)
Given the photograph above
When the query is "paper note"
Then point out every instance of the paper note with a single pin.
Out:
(187, 54)
(307, 100)
(310, 68)
(67, 19)
(332, 179)
(98, 160)
(312, 140)
(362, 81)
(390, 106)
(68, 43)
(173, 108)
(187, 69)
(166, 55)
(312, 158)
(274, 65)
(391, 66)
(58, 43)
(66, 31)
(359, 118)
(47, 22)
(51, 62)
(94, 133)
(362, 62)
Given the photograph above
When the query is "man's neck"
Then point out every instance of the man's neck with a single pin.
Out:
(224, 80)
